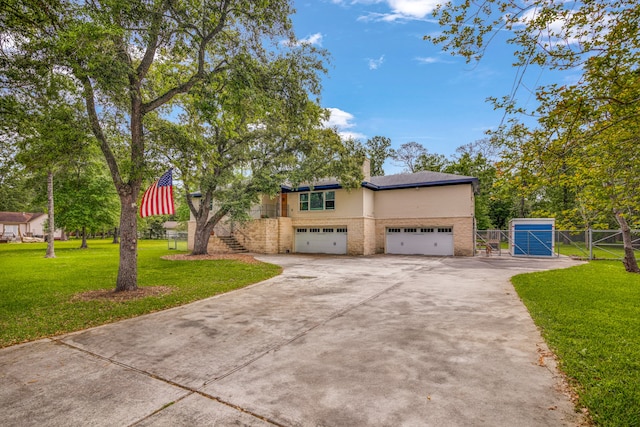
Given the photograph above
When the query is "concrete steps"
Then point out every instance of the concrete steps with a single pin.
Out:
(235, 246)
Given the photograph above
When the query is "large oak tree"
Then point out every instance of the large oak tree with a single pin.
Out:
(250, 130)
(131, 58)
(587, 132)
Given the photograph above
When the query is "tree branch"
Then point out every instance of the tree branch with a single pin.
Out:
(89, 97)
(154, 32)
(200, 73)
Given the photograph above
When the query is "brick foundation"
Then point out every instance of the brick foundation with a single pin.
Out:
(365, 236)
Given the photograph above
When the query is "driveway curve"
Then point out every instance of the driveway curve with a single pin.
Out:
(333, 341)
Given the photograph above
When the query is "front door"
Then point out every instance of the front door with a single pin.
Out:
(283, 204)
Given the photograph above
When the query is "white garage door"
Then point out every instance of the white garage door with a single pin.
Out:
(321, 240)
(420, 241)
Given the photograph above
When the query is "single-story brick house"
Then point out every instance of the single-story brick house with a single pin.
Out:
(427, 213)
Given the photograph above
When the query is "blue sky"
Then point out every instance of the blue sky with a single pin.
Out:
(384, 79)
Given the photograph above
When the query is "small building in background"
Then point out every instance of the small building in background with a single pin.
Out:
(532, 237)
(18, 226)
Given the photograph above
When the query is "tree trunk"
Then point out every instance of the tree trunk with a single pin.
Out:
(629, 261)
(204, 227)
(201, 239)
(52, 228)
(83, 245)
(115, 234)
(128, 268)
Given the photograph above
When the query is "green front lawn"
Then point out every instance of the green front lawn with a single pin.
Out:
(39, 295)
(590, 316)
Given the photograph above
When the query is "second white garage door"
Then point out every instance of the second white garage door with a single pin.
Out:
(420, 241)
(321, 240)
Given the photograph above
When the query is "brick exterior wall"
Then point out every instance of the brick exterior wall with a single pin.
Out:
(369, 236)
(365, 236)
(260, 235)
(285, 235)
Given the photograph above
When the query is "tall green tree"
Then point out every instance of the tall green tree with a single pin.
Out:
(132, 58)
(251, 130)
(468, 163)
(16, 195)
(85, 197)
(589, 128)
(472, 160)
(13, 196)
(597, 151)
(431, 162)
(378, 150)
(51, 130)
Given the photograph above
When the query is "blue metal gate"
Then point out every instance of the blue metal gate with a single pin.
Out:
(533, 239)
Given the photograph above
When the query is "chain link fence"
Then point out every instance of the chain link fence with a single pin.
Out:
(585, 244)
(177, 240)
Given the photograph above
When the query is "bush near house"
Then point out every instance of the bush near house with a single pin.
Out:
(590, 316)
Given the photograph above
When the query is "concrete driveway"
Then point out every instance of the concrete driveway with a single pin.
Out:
(333, 341)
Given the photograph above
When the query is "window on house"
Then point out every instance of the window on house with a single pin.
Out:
(318, 201)
(304, 201)
(330, 200)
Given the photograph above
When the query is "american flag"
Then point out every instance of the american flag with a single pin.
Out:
(158, 199)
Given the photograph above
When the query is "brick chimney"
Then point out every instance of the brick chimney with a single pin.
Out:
(366, 170)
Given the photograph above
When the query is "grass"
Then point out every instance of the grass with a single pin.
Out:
(602, 252)
(580, 250)
(590, 316)
(38, 293)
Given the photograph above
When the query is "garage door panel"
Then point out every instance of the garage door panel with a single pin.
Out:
(420, 241)
(324, 240)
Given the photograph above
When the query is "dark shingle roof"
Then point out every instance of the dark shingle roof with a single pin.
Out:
(420, 179)
(389, 182)
(397, 181)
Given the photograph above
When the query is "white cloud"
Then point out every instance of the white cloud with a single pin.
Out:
(413, 8)
(431, 60)
(339, 119)
(313, 39)
(342, 122)
(8, 42)
(352, 135)
(427, 60)
(401, 10)
(562, 31)
(374, 64)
